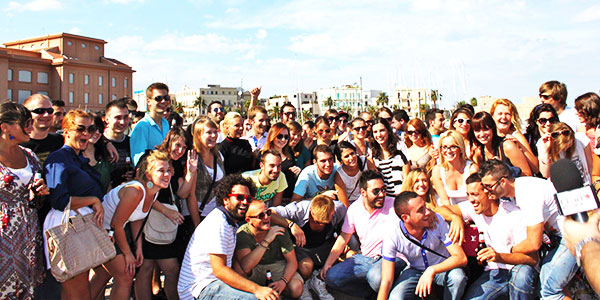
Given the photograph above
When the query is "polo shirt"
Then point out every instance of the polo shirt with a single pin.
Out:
(256, 143)
(146, 135)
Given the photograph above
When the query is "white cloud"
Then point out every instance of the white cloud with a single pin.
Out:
(74, 30)
(261, 34)
(36, 5)
(123, 1)
(590, 14)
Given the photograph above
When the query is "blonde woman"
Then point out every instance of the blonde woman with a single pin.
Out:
(237, 152)
(418, 181)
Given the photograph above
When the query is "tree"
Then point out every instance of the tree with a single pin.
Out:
(200, 103)
(382, 99)
(474, 101)
(328, 102)
(177, 107)
(434, 97)
(307, 115)
(274, 113)
(371, 109)
(459, 103)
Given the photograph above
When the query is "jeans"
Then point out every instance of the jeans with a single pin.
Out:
(220, 290)
(558, 268)
(518, 283)
(453, 281)
(358, 275)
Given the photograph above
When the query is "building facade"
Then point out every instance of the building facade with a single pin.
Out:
(415, 101)
(63, 66)
(308, 102)
(349, 98)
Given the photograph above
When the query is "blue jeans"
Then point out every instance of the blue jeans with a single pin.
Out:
(518, 283)
(358, 275)
(453, 281)
(220, 290)
(558, 268)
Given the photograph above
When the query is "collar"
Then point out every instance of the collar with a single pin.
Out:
(228, 217)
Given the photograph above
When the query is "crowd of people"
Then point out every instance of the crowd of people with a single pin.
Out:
(238, 206)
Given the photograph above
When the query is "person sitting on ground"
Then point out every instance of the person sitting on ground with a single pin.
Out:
(316, 178)
(269, 181)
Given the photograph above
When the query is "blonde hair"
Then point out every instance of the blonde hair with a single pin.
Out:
(458, 141)
(321, 208)
(68, 121)
(559, 144)
(409, 183)
(146, 164)
(515, 119)
(230, 116)
(198, 129)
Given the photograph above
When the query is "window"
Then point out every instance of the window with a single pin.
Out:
(25, 76)
(71, 97)
(100, 98)
(23, 94)
(9, 94)
(42, 77)
(114, 97)
(114, 82)
(83, 45)
(71, 77)
(9, 74)
(86, 79)
(86, 98)
(69, 43)
(100, 79)
(96, 47)
(43, 93)
(125, 82)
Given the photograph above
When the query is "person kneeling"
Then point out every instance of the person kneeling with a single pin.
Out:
(262, 248)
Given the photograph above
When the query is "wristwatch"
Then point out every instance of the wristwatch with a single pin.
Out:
(580, 245)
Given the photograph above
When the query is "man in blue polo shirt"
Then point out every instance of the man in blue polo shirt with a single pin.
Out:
(153, 128)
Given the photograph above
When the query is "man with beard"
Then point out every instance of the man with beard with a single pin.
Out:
(368, 216)
(41, 140)
(287, 113)
(206, 270)
(58, 115)
(216, 113)
(117, 123)
(153, 128)
(317, 177)
(270, 182)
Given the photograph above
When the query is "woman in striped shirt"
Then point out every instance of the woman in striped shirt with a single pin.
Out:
(390, 156)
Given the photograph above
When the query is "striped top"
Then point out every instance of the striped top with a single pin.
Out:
(391, 169)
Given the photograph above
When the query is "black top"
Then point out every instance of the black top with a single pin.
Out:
(119, 167)
(237, 155)
(315, 238)
(42, 148)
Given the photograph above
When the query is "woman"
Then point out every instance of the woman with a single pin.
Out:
(418, 181)
(449, 177)
(360, 136)
(300, 152)
(237, 152)
(125, 209)
(278, 139)
(389, 159)
(74, 185)
(23, 270)
(331, 115)
(165, 256)
(97, 154)
(421, 151)
(308, 135)
(508, 123)
(489, 145)
(324, 132)
(346, 177)
(588, 111)
(461, 122)
(210, 168)
(540, 119)
(562, 142)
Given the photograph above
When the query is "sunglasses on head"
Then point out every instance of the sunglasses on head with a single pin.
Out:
(90, 129)
(544, 121)
(262, 215)
(162, 98)
(460, 121)
(218, 109)
(360, 128)
(41, 111)
(242, 197)
(556, 134)
(283, 137)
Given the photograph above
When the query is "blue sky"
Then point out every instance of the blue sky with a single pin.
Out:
(464, 48)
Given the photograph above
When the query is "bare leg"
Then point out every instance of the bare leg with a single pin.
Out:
(156, 281)
(170, 267)
(98, 282)
(122, 280)
(305, 268)
(143, 280)
(77, 288)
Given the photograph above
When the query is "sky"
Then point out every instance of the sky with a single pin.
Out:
(464, 48)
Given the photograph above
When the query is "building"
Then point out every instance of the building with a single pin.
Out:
(414, 101)
(63, 66)
(308, 102)
(349, 98)
(230, 97)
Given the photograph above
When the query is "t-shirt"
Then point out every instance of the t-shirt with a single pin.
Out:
(237, 155)
(501, 231)
(535, 197)
(216, 234)
(309, 183)
(370, 228)
(42, 148)
(391, 169)
(256, 143)
(282, 244)
(265, 193)
(395, 243)
(569, 116)
(120, 167)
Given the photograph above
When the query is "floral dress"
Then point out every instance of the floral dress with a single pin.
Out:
(21, 254)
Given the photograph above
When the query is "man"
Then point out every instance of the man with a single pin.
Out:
(535, 197)
(263, 248)
(270, 182)
(216, 112)
(555, 94)
(365, 115)
(317, 177)
(259, 118)
(399, 120)
(42, 142)
(117, 123)
(287, 113)
(511, 275)
(206, 271)
(153, 128)
(360, 274)
(59, 114)
(343, 130)
(313, 224)
(426, 267)
(434, 119)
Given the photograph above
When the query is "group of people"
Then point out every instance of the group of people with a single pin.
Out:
(372, 205)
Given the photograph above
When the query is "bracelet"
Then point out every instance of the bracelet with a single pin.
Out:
(579, 247)
(263, 245)
(291, 224)
(284, 280)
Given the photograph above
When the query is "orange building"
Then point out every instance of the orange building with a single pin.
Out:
(63, 66)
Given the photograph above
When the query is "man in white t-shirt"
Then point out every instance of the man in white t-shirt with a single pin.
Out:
(206, 271)
(555, 93)
(270, 182)
(535, 197)
(506, 274)
(360, 274)
(440, 264)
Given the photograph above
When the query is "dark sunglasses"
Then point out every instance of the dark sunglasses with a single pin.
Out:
(332, 118)
(546, 97)
(290, 113)
(262, 215)
(132, 111)
(283, 137)
(411, 132)
(544, 121)
(360, 128)
(41, 111)
(320, 131)
(218, 109)
(377, 191)
(490, 188)
(556, 134)
(370, 122)
(242, 197)
(81, 129)
(162, 98)
(460, 121)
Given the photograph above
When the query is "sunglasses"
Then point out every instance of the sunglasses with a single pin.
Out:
(370, 122)
(162, 98)
(242, 197)
(81, 129)
(490, 188)
(262, 215)
(41, 111)
(389, 120)
(320, 131)
(218, 109)
(460, 121)
(290, 113)
(360, 128)
(545, 97)
(283, 137)
(332, 118)
(411, 132)
(544, 121)
(451, 148)
(556, 134)
(377, 191)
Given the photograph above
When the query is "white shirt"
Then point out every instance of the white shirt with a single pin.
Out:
(256, 143)
(569, 116)
(111, 202)
(535, 197)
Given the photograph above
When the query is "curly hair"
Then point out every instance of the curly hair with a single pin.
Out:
(225, 185)
(532, 131)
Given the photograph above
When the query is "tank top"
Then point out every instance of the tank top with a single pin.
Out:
(111, 201)
(460, 195)
(351, 182)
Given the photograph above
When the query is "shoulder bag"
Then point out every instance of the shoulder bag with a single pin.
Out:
(210, 187)
(159, 229)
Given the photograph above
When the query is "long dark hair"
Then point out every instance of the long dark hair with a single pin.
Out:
(14, 112)
(532, 132)
(484, 121)
(392, 140)
(339, 148)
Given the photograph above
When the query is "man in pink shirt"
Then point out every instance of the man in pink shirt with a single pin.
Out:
(360, 274)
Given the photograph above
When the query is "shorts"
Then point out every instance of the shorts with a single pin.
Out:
(259, 273)
(129, 239)
(318, 255)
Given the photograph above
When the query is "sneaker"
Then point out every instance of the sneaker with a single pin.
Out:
(318, 285)
(306, 295)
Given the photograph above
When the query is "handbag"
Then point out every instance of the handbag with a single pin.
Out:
(77, 245)
(159, 229)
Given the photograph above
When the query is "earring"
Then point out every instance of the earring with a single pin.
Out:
(149, 184)
(10, 137)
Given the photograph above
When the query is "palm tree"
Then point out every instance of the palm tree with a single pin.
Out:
(474, 101)
(434, 97)
(199, 102)
(328, 102)
(307, 115)
(382, 99)
(274, 113)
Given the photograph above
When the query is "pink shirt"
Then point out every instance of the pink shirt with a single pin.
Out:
(370, 228)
